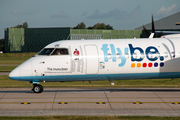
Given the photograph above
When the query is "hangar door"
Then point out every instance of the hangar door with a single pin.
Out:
(91, 59)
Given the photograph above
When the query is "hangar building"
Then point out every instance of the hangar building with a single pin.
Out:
(34, 39)
(169, 23)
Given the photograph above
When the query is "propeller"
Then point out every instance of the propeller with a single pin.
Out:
(158, 33)
(146, 32)
(153, 29)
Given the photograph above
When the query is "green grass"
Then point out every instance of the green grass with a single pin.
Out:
(8, 61)
(7, 68)
(90, 118)
(14, 58)
(5, 82)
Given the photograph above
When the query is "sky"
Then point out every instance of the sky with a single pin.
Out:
(121, 14)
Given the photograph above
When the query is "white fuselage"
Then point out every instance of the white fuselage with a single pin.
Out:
(111, 59)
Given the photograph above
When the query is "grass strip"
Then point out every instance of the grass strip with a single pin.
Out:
(90, 118)
(7, 68)
(14, 58)
(5, 82)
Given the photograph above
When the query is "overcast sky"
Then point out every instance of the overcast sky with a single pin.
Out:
(121, 14)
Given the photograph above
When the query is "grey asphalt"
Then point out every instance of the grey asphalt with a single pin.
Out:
(90, 101)
(4, 73)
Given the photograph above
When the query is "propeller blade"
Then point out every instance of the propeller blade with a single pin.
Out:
(153, 28)
(146, 32)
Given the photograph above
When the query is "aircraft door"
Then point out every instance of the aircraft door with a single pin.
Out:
(91, 59)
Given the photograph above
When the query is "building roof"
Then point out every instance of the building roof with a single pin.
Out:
(168, 23)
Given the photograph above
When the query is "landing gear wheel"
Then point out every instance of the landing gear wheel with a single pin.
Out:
(37, 88)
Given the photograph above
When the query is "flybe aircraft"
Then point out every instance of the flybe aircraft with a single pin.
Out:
(107, 59)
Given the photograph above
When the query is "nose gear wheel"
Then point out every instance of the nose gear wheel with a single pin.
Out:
(37, 88)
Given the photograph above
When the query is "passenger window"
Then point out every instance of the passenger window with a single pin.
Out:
(118, 56)
(109, 56)
(142, 55)
(173, 54)
(165, 54)
(150, 55)
(60, 51)
(126, 55)
(134, 55)
(158, 54)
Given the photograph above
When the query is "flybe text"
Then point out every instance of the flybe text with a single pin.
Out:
(150, 50)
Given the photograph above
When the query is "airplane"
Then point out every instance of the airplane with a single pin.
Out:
(104, 59)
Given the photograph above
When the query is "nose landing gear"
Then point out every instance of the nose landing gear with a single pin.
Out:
(37, 88)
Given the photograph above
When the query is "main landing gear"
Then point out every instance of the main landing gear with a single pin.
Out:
(37, 88)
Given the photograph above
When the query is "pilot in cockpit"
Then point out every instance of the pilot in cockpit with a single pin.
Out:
(57, 52)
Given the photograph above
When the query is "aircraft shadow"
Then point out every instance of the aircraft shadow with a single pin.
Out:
(103, 90)
(120, 90)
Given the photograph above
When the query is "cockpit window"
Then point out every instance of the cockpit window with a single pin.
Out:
(60, 51)
(54, 51)
(46, 51)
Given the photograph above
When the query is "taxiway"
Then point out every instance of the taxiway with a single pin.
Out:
(90, 101)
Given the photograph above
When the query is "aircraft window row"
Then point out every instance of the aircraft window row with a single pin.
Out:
(54, 51)
(172, 54)
(118, 56)
(64, 51)
(135, 55)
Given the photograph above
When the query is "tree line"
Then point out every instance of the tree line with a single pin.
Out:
(96, 26)
(24, 25)
(1, 44)
(79, 26)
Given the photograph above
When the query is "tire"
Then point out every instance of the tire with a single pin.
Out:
(38, 88)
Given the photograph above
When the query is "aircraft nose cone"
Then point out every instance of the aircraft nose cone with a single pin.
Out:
(22, 72)
(15, 74)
